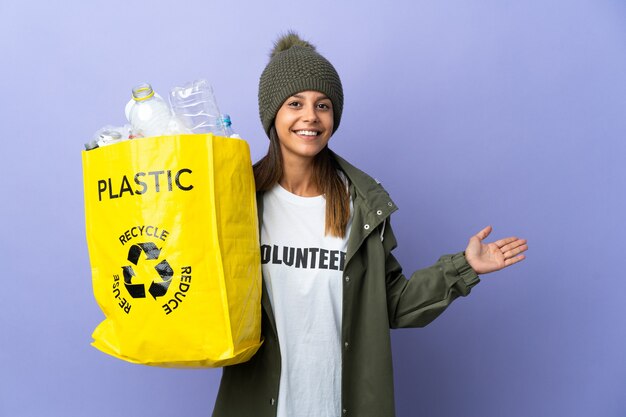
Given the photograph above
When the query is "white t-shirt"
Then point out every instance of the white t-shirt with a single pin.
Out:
(303, 272)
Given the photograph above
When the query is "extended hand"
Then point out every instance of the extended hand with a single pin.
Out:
(490, 257)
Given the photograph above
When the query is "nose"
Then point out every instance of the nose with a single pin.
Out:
(310, 114)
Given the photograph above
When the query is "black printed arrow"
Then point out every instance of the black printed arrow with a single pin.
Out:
(135, 290)
(158, 289)
(149, 248)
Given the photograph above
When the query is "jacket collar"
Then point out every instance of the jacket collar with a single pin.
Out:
(367, 190)
(372, 206)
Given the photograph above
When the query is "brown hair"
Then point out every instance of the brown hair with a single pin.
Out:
(269, 170)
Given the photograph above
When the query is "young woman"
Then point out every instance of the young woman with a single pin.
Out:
(331, 287)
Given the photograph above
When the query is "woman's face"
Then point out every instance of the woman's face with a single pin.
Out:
(304, 124)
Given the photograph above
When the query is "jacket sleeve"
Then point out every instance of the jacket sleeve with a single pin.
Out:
(422, 298)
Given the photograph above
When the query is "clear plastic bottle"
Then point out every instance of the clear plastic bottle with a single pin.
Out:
(228, 128)
(108, 135)
(194, 106)
(149, 115)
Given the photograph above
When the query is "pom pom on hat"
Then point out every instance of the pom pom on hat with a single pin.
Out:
(295, 66)
(287, 41)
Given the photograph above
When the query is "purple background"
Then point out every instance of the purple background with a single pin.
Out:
(469, 112)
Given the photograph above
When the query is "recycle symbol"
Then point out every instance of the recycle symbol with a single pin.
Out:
(161, 280)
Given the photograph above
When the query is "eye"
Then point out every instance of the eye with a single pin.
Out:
(323, 106)
(294, 104)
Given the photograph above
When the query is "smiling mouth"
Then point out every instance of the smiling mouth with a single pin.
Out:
(309, 133)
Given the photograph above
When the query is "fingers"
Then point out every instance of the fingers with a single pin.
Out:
(515, 260)
(512, 250)
(484, 233)
(503, 242)
(510, 243)
(511, 253)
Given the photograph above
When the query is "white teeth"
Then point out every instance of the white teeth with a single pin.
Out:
(306, 132)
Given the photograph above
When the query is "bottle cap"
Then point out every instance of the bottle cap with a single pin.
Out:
(110, 135)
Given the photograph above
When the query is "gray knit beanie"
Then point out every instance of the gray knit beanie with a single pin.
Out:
(296, 66)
